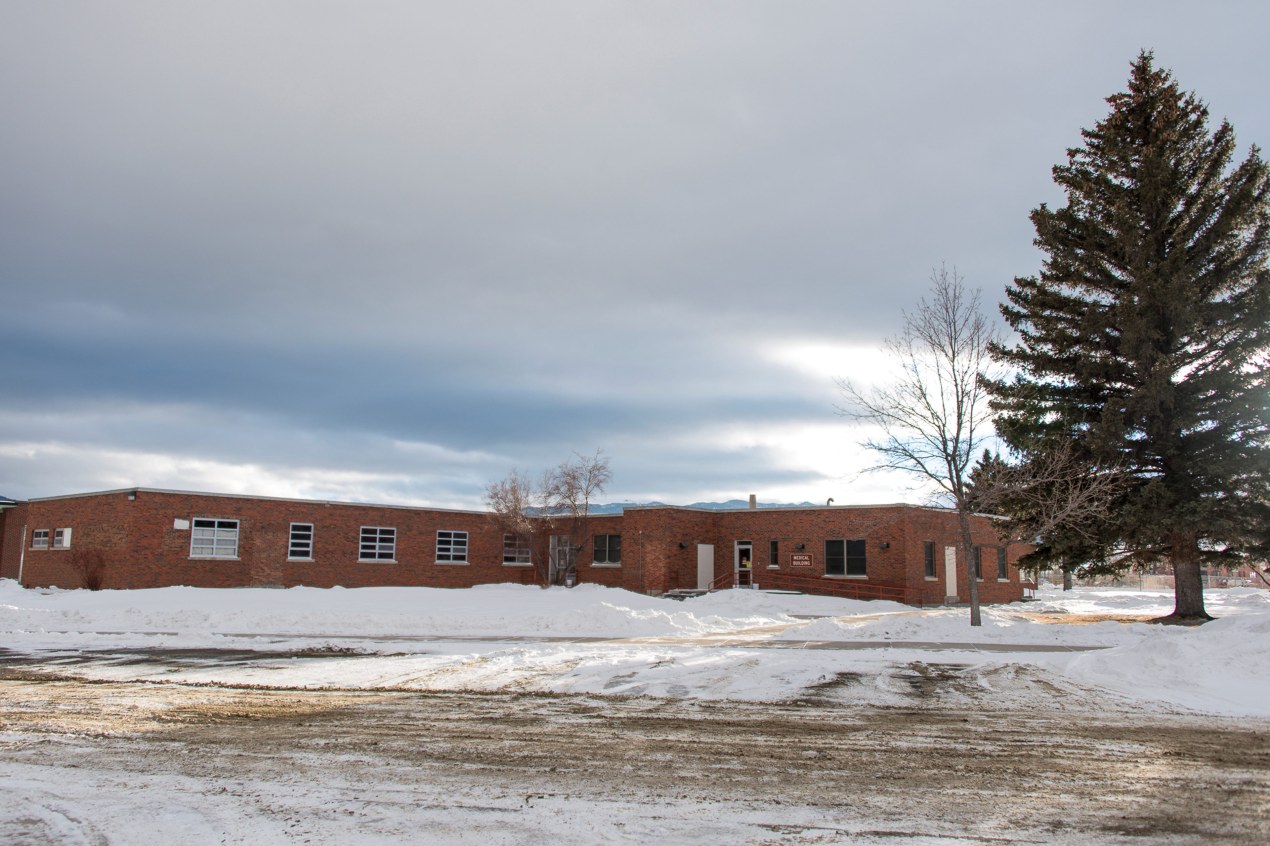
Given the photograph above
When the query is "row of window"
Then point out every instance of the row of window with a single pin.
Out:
(218, 538)
(1003, 567)
(61, 539)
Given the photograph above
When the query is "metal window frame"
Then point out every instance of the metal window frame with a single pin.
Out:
(292, 543)
(452, 546)
(379, 548)
(215, 545)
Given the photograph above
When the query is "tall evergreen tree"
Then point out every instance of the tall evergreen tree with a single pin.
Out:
(1143, 343)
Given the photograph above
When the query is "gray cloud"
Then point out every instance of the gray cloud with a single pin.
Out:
(295, 235)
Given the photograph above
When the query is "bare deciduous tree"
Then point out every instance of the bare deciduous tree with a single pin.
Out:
(518, 507)
(1046, 495)
(560, 502)
(934, 416)
(568, 491)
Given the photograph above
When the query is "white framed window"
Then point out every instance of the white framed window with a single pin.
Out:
(1003, 567)
(451, 547)
(40, 539)
(213, 537)
(516, 550)
(378, 543)
(300, 544)
(61, 538)
(608, 549)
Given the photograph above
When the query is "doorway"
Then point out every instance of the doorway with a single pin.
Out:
(562, 561)
(705, 566)
(744, 564)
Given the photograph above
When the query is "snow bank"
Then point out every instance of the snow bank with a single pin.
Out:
(1218, 667)
(486, 611)
(658, 646)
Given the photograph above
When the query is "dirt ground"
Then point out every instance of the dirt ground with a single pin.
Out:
(809, 771)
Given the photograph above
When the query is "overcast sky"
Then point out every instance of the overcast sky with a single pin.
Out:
(388, 251)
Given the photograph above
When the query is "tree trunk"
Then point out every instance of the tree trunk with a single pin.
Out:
(968, 554)
(1188, 583)
(1067, 579)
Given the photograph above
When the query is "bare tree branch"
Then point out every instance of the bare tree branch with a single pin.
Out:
(934, 415)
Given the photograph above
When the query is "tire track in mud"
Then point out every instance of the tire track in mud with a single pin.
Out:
(804, 771)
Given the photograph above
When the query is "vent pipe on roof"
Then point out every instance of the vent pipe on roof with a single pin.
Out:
(753, 501)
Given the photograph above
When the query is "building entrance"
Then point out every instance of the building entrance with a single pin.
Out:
(744, 563)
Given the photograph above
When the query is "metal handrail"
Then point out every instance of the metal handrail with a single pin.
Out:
(725, 580)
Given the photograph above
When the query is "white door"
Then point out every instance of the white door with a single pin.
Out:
(705, 566)
(950, 571)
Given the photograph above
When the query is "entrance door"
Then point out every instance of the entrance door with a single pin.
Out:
(560, 561)
(950, 573)
(744, 564)
(705, 566)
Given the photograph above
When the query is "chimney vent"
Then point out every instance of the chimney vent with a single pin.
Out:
(753, 501)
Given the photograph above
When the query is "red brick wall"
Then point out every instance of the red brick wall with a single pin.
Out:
(901, 528)
(654, 534)
(143, 548)
(12, 521)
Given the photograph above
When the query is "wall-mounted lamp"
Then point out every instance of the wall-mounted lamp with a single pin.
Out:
(132, 495)
(800, 546)
(885, 545)
(683, 544)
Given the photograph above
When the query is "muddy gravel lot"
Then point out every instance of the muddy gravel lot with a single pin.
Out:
(112, 762)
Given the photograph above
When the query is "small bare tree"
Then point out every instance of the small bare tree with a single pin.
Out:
(934, 416)
(518, 507)
(562, 501)
(90, 564)
(568, 491)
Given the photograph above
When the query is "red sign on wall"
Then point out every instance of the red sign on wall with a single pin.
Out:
(800, 559)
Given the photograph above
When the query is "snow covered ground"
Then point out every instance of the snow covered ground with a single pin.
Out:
(723, 718)
(729, 645)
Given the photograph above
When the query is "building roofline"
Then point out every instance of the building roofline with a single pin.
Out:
(696, 509)
(784, 508)
(169, 492)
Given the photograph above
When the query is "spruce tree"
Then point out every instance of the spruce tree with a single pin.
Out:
(1143, 342)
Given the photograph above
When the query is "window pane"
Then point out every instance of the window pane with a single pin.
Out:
(301, 544)
(378, 543)
(835, 557)
(855, 558)
(213, 538)
(451, 546)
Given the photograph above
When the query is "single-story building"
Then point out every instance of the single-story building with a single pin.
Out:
(144, 538)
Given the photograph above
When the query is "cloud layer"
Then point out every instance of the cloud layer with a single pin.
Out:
(390, 252)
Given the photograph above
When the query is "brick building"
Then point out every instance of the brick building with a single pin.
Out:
(142, 538)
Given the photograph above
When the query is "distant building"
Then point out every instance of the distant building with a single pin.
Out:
(143, 538)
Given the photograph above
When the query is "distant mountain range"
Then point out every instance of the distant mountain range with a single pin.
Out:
(619, 507)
